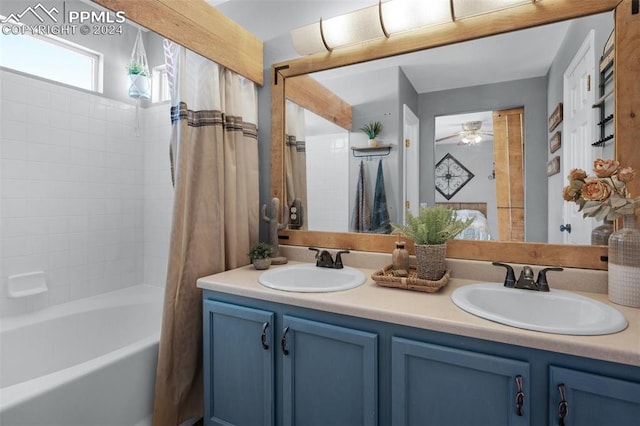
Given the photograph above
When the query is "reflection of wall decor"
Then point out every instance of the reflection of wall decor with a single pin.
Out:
(556, 117)
(555, 142)
(451, 176)
(553, 166)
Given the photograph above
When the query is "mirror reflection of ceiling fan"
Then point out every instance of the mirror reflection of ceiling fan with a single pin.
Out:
(470, 134)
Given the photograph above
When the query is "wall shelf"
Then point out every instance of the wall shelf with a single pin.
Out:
(371, 151)
(606, 91)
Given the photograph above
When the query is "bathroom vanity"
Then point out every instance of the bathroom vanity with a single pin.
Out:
(375, 355)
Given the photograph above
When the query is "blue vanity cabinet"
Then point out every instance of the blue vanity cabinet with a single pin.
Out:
(439, 385)
(260, 361)
(323, 368)
(580, 398)
(239, 365)
(330, 374)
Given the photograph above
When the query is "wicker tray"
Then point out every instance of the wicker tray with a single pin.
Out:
(385, 277)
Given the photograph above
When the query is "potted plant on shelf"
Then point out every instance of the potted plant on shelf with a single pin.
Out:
(260, 255)
(430, 231)
(372, 130)
(139, 86)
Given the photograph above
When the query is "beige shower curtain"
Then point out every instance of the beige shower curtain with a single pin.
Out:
(214, 156)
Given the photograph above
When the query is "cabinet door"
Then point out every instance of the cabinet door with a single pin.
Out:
(238, 365)
(592, 399)
(330, 374)
(438, 385)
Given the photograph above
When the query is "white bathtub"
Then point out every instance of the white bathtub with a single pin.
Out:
(87, 362)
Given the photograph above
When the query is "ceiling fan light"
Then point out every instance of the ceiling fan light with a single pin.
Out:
(405, 15)
(307, 40)
(471, 139)
(354, 27)
(468, 8)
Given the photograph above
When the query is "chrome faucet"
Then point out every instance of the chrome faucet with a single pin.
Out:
(525, 281)
(324, 259)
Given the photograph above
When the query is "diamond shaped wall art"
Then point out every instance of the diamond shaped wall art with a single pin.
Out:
(451, 176)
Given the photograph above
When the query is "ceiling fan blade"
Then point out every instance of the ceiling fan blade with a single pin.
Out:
(455, 135)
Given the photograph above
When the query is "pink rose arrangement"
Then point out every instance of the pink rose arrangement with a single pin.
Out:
(605, 195)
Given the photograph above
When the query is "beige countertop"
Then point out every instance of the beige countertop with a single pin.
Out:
(436, 311)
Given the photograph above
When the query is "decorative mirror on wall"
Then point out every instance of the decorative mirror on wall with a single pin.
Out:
(526, 15)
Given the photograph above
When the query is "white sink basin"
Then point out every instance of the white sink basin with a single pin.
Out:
(309, 278)
(557, 311)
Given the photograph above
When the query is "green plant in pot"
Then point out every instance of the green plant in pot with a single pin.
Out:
(430, 231)
(260, 255)
(372, 130)
(136, 68)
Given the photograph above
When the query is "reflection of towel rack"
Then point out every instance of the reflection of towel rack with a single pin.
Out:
(371, 151)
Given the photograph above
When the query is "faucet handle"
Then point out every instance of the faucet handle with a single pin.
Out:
(318, 254)
(510, 279)
(542, 278)
(338, 263)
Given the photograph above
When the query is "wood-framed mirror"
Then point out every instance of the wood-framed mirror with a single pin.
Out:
(626, 105)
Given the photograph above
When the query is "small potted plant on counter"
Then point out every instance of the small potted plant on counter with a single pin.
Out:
(430, 231)
(372, 130)
(260, 255)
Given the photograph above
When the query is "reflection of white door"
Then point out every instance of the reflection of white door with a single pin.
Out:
(579, 119)
(411, 188)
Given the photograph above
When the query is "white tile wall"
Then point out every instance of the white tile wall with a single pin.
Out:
(72, 192)
(327, 182)
(158, 199)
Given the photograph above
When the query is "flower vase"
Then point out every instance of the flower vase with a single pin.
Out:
(430, 261)
(624, 263)
(600, 234)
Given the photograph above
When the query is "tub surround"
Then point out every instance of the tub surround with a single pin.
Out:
(437, 312)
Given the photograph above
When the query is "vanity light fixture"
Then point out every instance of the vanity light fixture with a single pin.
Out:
(405, 15)
(388, 18)
(468, 8)
(308, 40)
(354, 27)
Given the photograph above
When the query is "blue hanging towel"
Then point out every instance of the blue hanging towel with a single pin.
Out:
(380, 222)
(361, 216)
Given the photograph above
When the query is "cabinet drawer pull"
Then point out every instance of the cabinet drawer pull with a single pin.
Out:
(283, 341)
(563, 407)
(263, 336)
(519, 396)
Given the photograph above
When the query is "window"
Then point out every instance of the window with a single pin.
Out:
(53, 58)
(160, 84)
